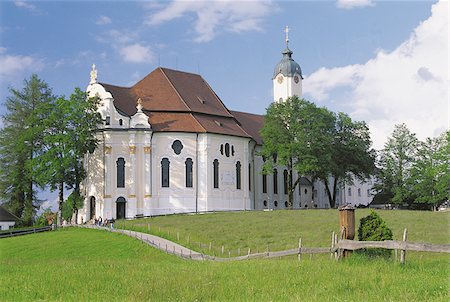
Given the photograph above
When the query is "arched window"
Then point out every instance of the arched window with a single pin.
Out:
(275, 181)
(227, 150)
(120, 172)
(359, 191)
(264, 181)
(165, 164)
(221, 149)
(306, 191)
(275, 203)
(286, 204)
(216, 173)
(188, 164)
(238, 175)
(349, 191)
(285, 181)
(120, 122)
(107, 120)
(232, 150)
(265, 203)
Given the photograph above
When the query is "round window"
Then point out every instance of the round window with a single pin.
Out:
(177, 146)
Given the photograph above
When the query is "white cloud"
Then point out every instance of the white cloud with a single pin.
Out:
(28, 6)
(103, 20)
(15, 65)
(137, 53)
(408, 85)
(350, 4)
(212, 16)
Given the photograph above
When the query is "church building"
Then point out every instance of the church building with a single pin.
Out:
(168, 144)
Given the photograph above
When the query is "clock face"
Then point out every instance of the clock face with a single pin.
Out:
(296, 79)
(280, 79)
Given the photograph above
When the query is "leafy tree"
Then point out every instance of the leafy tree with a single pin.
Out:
(69, 133)
(430, 173)
(351, 155)
(315, 142)
(19, 139)
(395, 165)
(295, 135)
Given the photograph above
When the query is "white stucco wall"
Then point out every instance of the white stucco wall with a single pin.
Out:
(6, 225)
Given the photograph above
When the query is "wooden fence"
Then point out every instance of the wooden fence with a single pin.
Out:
(13, 233)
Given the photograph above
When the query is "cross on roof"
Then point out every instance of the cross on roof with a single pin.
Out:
(286, 30)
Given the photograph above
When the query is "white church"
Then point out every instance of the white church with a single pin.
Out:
(168, 144)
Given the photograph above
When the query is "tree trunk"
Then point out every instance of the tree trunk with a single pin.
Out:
(330, 198)
(60, 202)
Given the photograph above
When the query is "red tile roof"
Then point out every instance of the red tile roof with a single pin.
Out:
(178, 101)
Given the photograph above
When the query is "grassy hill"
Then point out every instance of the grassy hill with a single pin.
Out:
(280, 230)
(92, 265)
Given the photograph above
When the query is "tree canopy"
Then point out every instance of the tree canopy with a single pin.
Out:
(42, 145)
(315, 142)
(412, 171)
(20, 137)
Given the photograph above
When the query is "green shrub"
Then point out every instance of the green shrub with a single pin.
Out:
(373, 228)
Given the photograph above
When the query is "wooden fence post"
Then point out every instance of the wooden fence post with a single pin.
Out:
(178, 236)
(210, 246)
(299, 249)
(223, 249)
(332, 245)
(403, 252)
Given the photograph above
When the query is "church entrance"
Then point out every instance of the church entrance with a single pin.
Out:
(92, 208)
(120, 208)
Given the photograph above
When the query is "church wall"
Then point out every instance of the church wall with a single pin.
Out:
(176, 198)
(226, 196)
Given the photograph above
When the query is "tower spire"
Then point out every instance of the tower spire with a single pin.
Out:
(286, 30)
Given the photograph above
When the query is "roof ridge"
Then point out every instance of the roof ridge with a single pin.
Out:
(218, 98)
(247, 113)
(174, 88)
(198, 122)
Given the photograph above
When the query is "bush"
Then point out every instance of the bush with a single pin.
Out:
(373, 228)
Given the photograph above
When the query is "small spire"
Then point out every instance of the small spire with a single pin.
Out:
(93, 75)
(139, 105)
(286, 30)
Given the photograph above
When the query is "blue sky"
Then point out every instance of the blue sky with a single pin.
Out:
(382, 62)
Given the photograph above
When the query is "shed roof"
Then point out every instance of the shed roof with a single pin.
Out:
(5, 215)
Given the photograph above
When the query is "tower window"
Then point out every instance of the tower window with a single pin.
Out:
(120, 172)
(216, 173)
(189, 177)
(165, 165)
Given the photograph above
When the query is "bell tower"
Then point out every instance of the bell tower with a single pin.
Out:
(287, 76)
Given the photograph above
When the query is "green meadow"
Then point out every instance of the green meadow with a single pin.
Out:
(76, 264)
(280, 230)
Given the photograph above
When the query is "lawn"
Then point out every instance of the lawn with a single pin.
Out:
(279, 230)
(92, 265)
